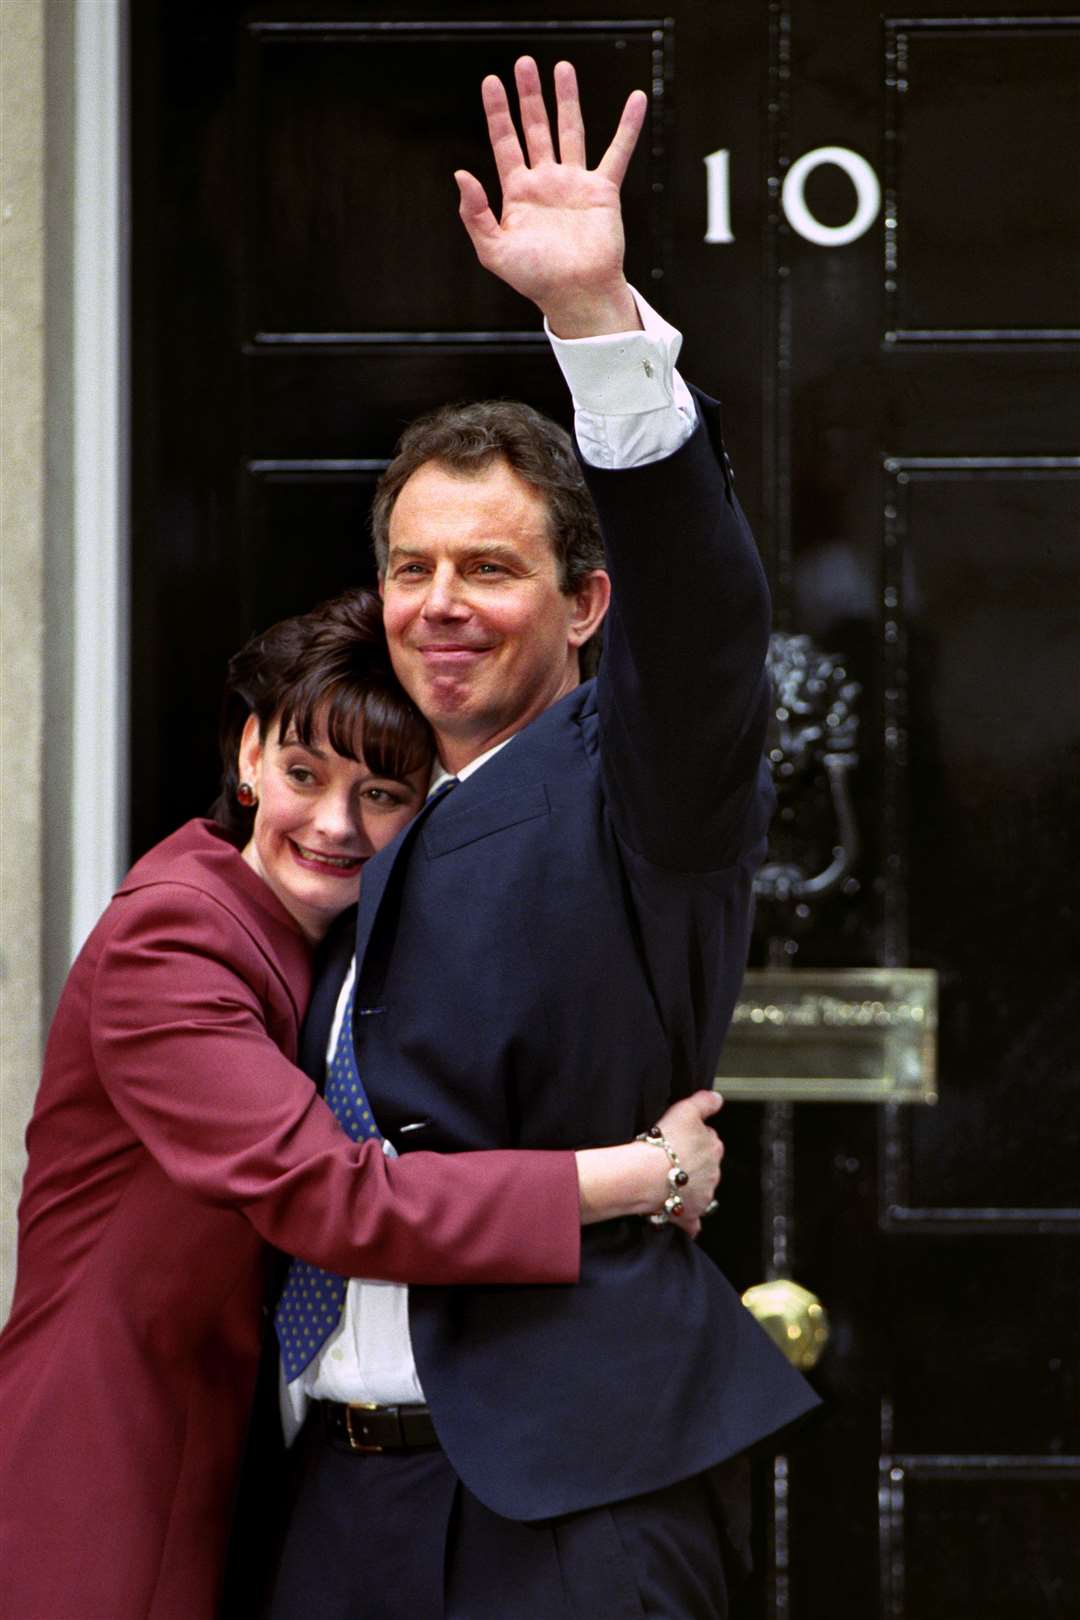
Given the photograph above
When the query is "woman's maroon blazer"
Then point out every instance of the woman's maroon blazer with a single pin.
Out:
(173, 1140)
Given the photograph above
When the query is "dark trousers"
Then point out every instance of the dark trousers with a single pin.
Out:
(398, 1537)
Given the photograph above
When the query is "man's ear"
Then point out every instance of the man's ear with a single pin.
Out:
(249, 758)
(591, 598)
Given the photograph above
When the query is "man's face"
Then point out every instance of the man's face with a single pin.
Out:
(481, 636)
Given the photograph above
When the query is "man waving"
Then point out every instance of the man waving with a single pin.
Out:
(551, 954)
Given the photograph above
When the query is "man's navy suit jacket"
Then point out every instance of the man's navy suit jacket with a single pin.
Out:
(546, 959)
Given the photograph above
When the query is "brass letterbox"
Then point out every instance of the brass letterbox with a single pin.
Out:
(833, 1035)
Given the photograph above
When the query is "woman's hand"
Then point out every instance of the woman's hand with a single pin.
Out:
(632, 1179)
(686, 1126)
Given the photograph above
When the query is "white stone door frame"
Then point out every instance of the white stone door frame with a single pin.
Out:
(97, 825)
(65, 516)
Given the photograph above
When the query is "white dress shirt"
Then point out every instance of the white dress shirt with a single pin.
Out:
(630, 407)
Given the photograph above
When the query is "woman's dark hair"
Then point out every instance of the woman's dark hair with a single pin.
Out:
(329, 667)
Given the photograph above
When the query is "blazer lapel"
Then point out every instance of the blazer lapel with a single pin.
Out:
(377, 874)
(526, 759)
(331, 965)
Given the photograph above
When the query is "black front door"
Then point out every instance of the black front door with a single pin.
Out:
(866, 228)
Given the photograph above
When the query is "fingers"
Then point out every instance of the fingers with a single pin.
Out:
(568, 114)
(537, 128)
(476, 215)
(534, 118)
(701, 1104)
(505, 146)
(616, 159)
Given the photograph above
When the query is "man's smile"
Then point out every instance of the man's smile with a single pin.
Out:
(451, 654)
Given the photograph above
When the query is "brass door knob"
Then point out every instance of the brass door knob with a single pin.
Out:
(793, 1317)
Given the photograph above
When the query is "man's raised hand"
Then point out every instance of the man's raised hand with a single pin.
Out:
(560, 239)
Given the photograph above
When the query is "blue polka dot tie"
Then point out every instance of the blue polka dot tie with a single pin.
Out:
(310, 1305)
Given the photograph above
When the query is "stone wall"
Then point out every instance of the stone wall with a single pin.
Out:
(22, 586)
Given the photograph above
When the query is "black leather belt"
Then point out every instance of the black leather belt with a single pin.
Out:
(370, 1429)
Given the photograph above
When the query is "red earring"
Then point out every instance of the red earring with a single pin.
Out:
(245, 795)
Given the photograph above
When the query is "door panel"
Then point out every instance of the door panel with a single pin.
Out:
(341, 123)
(901, 413)
(982, 127)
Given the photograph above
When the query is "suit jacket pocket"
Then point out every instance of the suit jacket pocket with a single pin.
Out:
(458, 823)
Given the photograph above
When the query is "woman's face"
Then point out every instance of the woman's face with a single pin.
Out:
(319, 818)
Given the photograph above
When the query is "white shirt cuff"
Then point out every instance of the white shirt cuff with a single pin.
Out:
(630, 404)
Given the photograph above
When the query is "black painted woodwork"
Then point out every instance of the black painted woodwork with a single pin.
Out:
(902, 419)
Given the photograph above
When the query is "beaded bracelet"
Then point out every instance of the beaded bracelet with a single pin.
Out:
(676, 1177)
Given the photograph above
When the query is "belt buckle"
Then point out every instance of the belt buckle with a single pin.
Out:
(354, 1443)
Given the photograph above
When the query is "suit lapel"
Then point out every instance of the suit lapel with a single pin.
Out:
(377, 874)
(331, 965)
(528, 758)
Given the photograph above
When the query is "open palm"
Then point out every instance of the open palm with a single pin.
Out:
(560, 238)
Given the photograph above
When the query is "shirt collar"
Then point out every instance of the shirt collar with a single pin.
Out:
(441, 774)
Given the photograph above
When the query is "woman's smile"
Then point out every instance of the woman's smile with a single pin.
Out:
(337, 865)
